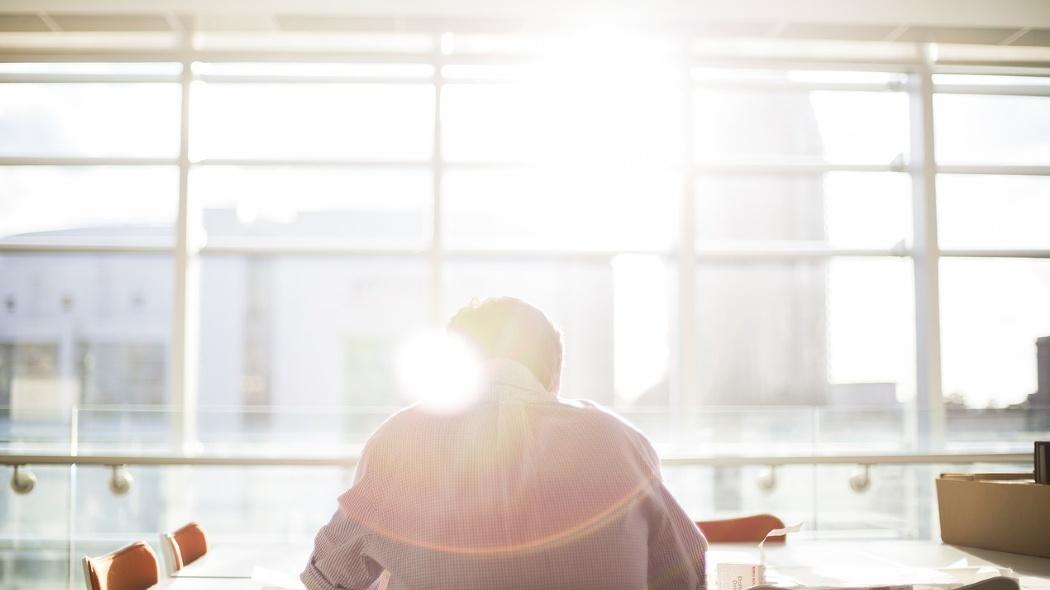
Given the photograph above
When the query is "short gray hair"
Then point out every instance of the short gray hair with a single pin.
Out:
(505, 327)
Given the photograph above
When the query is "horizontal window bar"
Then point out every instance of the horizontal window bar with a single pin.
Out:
(321, 162)
(767, 252)
(787, 85)
(730, 168)
(29, 78)
(994, 253)
(728, 59)
(223, 247)
(272, 247)
(992, 70)
(800, 86)
(733, 168)
(95, 246)
(86, 161)
(993, 169)
(349, 461)
(759, 167)
(283, 79)
(994, 90)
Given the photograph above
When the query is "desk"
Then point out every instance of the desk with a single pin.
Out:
(237, 560)
(827, 562)
(228, 566)
(206, 584)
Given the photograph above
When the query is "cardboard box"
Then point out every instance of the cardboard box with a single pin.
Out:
(999, 511)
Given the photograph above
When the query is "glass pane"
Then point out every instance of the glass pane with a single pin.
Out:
(1020, 206)
(992, 129)
(1009, 429)
(810, 332)
(615, 321)
(563, 119)
(870, 332)
(123, 425)
(243, 505)
(362, 121)
(843, 209)
(84, 329)
(710, 493)
(140, 120)
(900, 502)
(736, 125)
(35, 532)
(367, 207)
(117, 203)
(992, 312)
(552, 209)
(288, 332)
(747, 429)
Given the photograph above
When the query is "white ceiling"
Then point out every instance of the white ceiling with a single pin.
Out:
(996, 22)
(992, 13)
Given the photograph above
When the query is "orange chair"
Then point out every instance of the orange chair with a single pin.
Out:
(746, 529)
(184, 546)
(133, 567)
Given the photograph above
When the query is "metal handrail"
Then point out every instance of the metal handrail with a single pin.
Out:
(670, 460)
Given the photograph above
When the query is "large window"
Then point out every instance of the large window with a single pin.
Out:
(732, 255)
(88, 181)
(338, 197)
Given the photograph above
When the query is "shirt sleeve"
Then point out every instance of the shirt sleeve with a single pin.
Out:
(677, 548)
(676, 545)
(340, 559)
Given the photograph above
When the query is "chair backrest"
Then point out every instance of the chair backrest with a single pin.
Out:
(133, 567)
(187, 545)
(746, 529)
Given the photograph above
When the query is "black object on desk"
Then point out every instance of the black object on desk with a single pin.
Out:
(1042, 462)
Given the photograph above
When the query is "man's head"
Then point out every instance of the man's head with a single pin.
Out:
(509, 328)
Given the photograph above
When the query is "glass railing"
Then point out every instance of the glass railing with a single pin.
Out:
(720, 462)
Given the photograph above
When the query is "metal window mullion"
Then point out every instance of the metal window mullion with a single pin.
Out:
(437, 212)
(685, 396)
(183, 378)
(929, 406)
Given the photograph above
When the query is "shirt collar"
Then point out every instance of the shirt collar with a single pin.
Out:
(510, 380)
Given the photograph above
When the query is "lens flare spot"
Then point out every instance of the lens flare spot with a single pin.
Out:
(439, 371)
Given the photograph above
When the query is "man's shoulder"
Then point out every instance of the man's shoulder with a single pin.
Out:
(583, 413)
(605, 417)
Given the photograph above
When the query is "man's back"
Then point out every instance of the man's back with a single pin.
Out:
(519, 491)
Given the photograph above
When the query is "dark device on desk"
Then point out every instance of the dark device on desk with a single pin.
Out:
(1042, 462)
